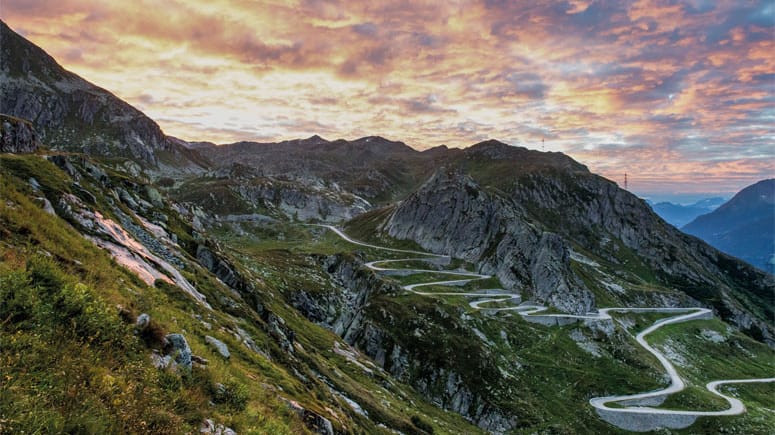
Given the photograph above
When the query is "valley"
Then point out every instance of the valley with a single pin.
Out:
(632, 412)
(312, 286)
(387, 328)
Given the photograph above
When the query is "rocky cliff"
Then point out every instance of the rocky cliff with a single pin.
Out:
(452, 214)
(373, 167)
(522, 215)
(409, 355)
(17, 135)
(238, 194)
(600, 217)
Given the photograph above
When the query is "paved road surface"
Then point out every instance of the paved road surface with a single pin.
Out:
(631, 412)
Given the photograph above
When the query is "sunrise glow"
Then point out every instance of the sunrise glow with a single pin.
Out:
(677, 94)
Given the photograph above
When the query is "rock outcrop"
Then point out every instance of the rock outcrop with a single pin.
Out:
(17, 135)
(303, 202)
(219, 346)
(371, 167)
(177, 351)
(451, 214)
(221, 268)
(595, 214)
(347, 313)
(315, 422)
(210, 427)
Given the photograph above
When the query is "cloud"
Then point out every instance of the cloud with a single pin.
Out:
(529, 85)
(366, 29)
(682, 89)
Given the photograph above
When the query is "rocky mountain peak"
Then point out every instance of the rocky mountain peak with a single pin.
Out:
(755, 196)
(24, 59)
(316, 139)
(381, 145)
(452, 214)
(744, 226)
(72, 114)
(492, 145)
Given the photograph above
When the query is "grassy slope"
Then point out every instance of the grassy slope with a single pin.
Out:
(734, 356)
(109, 386)
(62, 371)
(541, 365)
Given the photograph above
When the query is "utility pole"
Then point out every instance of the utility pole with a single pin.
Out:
(625, 181)
(543, 145)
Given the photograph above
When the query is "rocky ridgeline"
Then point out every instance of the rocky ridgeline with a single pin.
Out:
(303, 202)
(452, 214)
(598, 215)
(17, 135)
(523, 231)
(73, 114)
(369, 167)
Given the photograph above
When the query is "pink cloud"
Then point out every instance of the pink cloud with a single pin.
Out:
(668, 87)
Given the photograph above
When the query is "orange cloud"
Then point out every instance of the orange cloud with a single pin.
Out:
(672, 91)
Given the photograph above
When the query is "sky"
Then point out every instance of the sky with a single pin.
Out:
(679, 95)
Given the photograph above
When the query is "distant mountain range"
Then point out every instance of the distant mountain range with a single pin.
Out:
(744, 226)
(679, 215)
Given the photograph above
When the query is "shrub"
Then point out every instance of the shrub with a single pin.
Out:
(44, 295)
(89, 316)
(127, 315)
(17, 297)
(232, 393)
(169, 380)
(166, 182)
(154, 335)
(45, 274)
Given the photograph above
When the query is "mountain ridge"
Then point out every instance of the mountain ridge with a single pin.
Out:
(744, 226)
(73, 114)
(212, 299)
(679, 215)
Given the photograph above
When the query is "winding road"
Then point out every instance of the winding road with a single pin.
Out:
(632, 412)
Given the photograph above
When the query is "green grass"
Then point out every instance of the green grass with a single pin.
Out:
(364, 228)
(246, 405)
(427, 328)
(70, 363)
(553, 368)
(295, 239)
(454, 264)
(425, 277)
(737, 357)
(105, 383)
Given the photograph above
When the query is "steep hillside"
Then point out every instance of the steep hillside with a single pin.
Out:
(451, 214)
(143, 293)
(118, 316)
(744, 226)
(538, 221)
(70, 113)
(17, 135)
